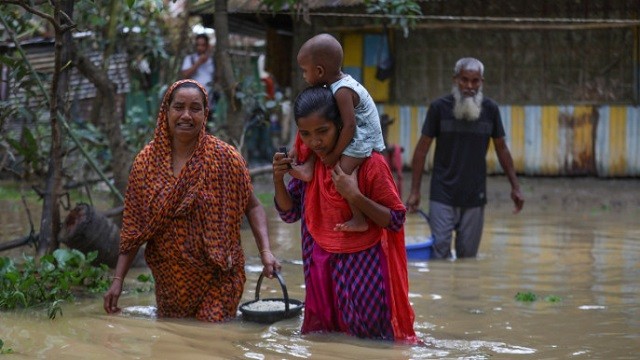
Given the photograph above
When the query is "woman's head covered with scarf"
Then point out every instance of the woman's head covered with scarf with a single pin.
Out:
(162, 134)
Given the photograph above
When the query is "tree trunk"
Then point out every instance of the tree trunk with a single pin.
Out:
(184, 37)
(50, 221)
(235, 117)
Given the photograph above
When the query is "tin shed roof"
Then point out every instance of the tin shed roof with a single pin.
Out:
(253, 6)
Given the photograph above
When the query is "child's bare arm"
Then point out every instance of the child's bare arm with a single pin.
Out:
(346, 100)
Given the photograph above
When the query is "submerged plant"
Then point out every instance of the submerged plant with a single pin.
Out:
(3, 350)
(51, 280)
(531, 297)
(553, 298)
(148, 281)
(526, 297)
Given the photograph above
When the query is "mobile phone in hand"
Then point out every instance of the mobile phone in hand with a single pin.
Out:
(283, 149)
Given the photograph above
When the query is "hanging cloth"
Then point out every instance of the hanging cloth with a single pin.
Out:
(384, 68)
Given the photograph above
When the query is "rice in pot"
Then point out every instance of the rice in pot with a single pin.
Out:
(268, 305)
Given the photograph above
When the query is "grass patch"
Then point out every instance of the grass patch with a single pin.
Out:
(14, 192)
(266, 199)
(11, 191)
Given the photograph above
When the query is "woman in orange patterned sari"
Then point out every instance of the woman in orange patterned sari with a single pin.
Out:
(186, 196)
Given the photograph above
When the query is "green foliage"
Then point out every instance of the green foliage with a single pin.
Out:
(4, 350)
(54, 309)
(11, 192)
(531, 297)
(28, 148)
(28, 104)
(526, 297)
(402, 13)
(145, 278)
(50, 281)
(29, 151)
(138, 128)
(280, 5)
(147, 281)
(553, 298)
(142, 32)
(25, 108)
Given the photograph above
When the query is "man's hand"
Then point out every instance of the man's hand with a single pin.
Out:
(518, 200)
(413, 203)
(202, 58)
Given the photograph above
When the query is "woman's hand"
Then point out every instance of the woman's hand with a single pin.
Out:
(281, 165)
(270, 264)
(347, 185)
(112, 295)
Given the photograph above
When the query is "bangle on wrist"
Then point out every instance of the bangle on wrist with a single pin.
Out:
(265, 251)
(117, 278)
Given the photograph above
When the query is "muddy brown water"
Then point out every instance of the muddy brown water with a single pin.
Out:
(576, 241)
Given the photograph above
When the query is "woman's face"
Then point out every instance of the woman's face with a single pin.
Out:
(318, 133)
(186, 114)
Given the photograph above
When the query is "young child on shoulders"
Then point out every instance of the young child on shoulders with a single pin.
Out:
(320, 59)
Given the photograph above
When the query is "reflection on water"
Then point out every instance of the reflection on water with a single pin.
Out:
(465, 309)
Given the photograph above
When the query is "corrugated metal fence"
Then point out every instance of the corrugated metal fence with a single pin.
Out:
(547, 140)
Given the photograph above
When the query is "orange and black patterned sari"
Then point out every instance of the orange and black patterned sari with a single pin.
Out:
(190, 223)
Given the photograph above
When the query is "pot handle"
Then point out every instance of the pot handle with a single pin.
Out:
(282, 285)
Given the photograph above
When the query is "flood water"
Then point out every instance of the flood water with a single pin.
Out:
(465, 309)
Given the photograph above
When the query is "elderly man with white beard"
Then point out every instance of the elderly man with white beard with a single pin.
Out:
(463, 122)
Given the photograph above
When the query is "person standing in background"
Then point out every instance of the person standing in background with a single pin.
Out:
(200, 67)
(463, 122)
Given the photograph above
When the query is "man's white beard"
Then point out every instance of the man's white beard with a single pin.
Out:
(466, 107)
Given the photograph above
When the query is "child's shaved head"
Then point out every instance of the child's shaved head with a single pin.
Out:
(323, 50)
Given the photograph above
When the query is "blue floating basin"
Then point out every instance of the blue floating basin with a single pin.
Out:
(420, 251)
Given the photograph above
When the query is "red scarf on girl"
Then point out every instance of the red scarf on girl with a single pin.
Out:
(325, 207)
